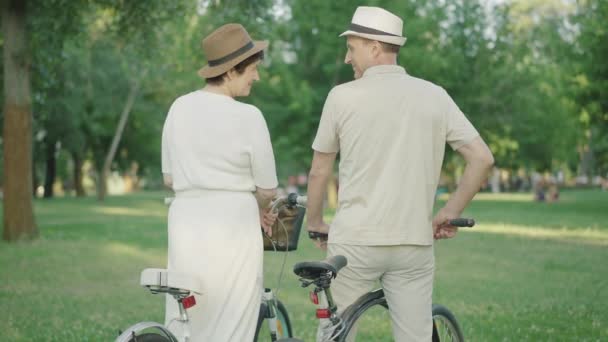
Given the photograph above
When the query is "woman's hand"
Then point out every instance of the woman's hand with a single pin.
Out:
(267, 219)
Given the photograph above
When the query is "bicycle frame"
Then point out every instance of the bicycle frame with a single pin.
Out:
(269, 310)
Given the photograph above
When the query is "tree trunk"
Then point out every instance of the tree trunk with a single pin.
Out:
(586, 161)
(18, 209)
(102, 184)
(105, 171)
(78, 175)
(51, 169)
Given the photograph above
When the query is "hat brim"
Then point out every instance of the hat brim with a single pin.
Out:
(395, 40)
(213, 71)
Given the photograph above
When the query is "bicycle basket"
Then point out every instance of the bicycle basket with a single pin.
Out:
(286, 230)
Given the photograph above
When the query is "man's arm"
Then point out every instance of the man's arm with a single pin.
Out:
(320, 171)
(479, 161)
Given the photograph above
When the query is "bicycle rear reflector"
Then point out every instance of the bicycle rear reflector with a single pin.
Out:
(314, 298)
(189, 302)
(323, 313)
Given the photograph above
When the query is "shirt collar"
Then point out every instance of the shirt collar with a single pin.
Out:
(384, 69)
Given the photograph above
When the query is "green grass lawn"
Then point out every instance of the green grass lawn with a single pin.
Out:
(527, 272)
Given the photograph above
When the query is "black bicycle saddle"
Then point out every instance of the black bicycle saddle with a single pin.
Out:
(314, 269)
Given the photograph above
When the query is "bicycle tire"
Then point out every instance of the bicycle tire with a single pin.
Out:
(283, 323)
(146, 332)
(150, 337)
(358, 308)
(445, 325)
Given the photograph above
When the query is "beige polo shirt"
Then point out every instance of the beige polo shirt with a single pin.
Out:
(390, 129)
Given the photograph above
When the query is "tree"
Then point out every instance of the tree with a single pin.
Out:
(591, 79)
(18, 219)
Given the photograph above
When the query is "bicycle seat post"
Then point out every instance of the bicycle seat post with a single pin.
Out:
(183, 316)
(320, 273)
(322, 285)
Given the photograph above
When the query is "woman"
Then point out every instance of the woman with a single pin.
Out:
(217, 157)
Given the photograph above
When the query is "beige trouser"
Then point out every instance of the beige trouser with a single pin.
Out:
(406, 275)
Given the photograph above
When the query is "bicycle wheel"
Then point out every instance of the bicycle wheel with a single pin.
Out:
(150, 337)
(146, 332)
(283, 323)
(368, 318)
(445, 325)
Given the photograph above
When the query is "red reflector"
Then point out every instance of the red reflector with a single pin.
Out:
(323, 313)
(189, 302)
(314, 298)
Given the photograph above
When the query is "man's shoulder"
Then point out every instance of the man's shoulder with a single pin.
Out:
(425, 84)
(345, 89)
(362, 84)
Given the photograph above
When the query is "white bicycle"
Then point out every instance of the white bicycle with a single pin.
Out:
(182, 288)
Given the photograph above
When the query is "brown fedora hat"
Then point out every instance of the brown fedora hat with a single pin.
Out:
(226, 47)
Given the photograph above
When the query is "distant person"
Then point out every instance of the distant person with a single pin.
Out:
(391, 130)
(552, 192)
(217, 157)
(538, 186)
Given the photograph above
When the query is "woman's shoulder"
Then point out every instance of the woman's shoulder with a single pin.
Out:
(249, 110)
(183, 100)
(246, 107)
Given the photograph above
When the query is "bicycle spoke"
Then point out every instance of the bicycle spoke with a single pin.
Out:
(445, 329)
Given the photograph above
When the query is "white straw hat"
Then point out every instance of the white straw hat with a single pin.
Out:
(376, 23)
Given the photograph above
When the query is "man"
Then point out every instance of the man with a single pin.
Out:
(390, 129)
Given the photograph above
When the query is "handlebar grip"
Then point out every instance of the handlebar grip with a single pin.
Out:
(462, 222)
(292, 199)
(317, 235)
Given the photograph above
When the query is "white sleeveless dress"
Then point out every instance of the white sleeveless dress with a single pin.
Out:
(217, 150)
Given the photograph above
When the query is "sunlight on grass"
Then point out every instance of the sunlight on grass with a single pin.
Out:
(500, 197)
(121, 249)
(587, 236)
(129, 212)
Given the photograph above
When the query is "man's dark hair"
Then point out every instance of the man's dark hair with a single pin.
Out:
(386, 47)
(240, 68)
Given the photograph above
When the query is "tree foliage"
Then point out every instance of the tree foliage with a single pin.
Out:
(531, 75)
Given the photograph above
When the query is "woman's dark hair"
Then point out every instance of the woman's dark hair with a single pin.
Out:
(240, 68)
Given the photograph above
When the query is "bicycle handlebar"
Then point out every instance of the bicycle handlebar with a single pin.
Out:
(317, 235)
(292, 200)
(462, 222)
(457, 222)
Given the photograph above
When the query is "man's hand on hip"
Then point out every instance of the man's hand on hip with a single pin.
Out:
(319, 228)
(441, 228)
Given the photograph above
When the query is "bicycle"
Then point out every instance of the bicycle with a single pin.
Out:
(321, 273)
(182, 288)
